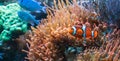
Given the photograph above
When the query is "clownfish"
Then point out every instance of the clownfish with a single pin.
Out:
(83, 32)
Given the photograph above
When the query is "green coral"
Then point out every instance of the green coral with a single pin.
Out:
(10, 24)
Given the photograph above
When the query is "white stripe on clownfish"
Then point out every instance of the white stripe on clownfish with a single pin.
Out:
(84, 30)
(74, 30)
(92, 33)
(84, 34)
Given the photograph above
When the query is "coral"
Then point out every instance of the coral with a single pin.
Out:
(109, 51)
(10, 24)
(49, 40)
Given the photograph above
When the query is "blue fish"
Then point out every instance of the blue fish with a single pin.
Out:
(31, 5)
(27, 17)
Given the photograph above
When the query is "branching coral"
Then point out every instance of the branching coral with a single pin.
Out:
(10, 23)
(49, 40)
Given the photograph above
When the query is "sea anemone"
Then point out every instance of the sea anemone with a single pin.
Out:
(49, 40)
(109, 51)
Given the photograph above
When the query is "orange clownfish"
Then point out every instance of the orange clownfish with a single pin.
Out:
(83, 32)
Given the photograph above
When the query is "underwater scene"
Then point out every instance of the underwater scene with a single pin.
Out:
(59, 30)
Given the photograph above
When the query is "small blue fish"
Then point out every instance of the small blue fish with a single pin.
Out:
(31, 5)
(27, 17)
